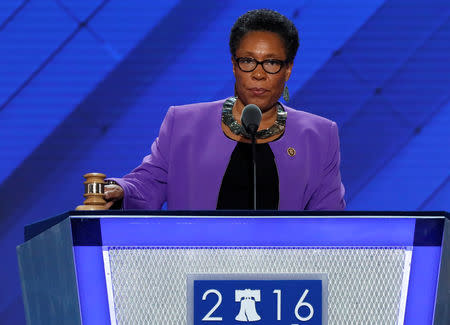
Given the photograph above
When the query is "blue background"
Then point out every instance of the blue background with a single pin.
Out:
(85, 84)
(291, 292)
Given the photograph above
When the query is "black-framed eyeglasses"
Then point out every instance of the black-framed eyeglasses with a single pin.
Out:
(271, 66)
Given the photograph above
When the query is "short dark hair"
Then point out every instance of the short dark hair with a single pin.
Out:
(265, 20)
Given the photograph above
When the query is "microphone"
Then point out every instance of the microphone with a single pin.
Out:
(251, 118)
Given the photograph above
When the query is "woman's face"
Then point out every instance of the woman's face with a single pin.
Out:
(259, 87)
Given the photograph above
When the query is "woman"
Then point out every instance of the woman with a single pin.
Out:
(202, 158)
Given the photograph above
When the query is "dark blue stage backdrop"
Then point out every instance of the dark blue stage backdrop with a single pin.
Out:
(85, 84)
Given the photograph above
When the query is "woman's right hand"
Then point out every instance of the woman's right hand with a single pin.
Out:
(113, 193)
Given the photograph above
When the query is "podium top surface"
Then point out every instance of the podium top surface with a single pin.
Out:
(252, 213)
(249, 228)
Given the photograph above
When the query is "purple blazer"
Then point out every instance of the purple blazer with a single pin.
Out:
(190, 156)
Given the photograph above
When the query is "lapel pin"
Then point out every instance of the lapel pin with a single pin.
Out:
(291, 151)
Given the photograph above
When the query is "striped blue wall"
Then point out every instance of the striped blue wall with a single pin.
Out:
(85, 84)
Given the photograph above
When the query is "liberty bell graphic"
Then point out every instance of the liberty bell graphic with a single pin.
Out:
(247, 298)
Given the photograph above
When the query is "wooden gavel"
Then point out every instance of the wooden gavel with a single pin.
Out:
(94, 192)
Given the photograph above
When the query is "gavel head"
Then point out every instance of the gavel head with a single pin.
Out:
(94, 191)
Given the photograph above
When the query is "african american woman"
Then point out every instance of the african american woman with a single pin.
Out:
(202, 159)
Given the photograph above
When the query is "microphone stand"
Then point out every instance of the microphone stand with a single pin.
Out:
(254, 168)
(251, 118)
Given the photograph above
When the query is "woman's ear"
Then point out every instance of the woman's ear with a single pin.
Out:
(288, 70)
(234, 65)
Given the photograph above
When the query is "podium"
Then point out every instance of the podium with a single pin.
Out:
(138, 267)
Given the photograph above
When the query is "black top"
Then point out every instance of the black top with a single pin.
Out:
(236, 191)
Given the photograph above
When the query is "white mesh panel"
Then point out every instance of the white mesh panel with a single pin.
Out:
(149, 284)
